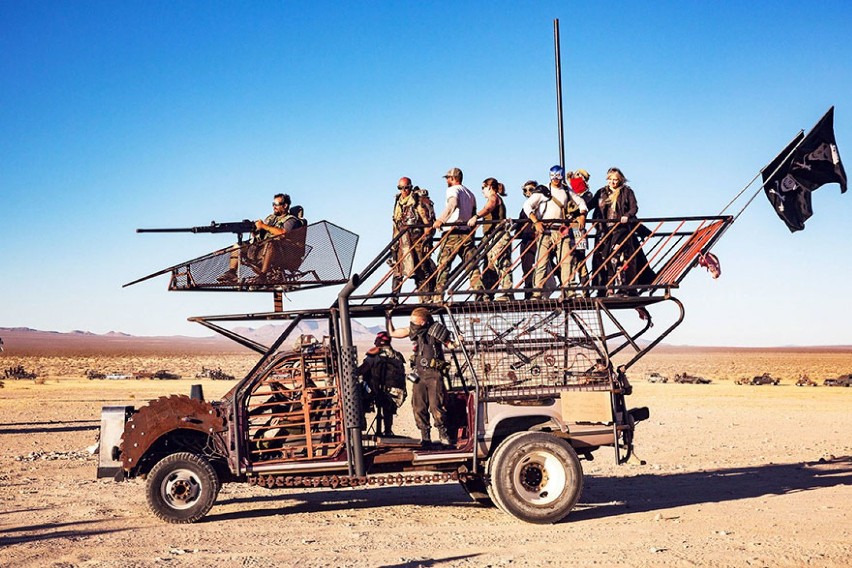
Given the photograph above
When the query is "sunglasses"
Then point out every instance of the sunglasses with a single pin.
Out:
(404, 186)
(276, 204)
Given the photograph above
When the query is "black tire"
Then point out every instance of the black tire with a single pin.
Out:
(182, 488)
(535, 477)
(477, 491)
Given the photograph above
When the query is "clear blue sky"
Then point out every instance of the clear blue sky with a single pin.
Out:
(118, 115)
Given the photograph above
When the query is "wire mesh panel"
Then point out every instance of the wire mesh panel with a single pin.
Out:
(321, 253)
(516, 350)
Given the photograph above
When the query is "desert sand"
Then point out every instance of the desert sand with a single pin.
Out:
(735, 476)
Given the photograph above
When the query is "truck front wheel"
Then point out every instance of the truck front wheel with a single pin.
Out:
(182, 488)
(535, 477)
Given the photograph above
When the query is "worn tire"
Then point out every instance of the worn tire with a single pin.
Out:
(535, 477)
(477, 491)
(182, 488)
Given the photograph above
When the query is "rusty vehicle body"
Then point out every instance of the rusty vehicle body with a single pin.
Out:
(686, 378)
(841, 381)
(531, 388)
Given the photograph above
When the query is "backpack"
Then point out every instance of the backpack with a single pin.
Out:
(388, 371)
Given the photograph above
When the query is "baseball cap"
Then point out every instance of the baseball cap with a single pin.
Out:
(454, 173)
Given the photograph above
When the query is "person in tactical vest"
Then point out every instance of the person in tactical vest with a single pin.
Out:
(383, 371)
(428, 366)
(413, 215)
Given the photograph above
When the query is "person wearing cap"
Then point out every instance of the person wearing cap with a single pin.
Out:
(458, 237)
(383, 371)
(497, 273)
(552, 212)
(411, 212)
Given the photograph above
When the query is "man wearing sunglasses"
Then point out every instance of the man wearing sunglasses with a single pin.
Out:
(258, 253)
(413, 215)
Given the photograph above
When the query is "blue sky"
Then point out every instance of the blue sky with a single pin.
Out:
(118, 115)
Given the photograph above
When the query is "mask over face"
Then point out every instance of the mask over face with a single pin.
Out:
(578, 185)
(416, 329)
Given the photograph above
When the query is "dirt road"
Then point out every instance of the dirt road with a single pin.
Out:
(735, 476)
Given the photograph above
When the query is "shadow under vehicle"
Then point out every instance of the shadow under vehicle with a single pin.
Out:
(531, 387)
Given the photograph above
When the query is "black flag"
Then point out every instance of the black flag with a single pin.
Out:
(806, 164)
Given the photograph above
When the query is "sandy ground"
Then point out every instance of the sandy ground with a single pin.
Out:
(735, 476)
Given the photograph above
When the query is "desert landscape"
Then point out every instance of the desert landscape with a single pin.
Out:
(734, 476)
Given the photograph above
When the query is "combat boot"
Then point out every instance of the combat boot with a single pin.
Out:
(444, 437)
(426, 437)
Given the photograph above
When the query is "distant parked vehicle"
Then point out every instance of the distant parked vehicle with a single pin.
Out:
(164, 375)
(215, 374)
(18, 372)
(805, 381)
(143, 375)
(841, 381)
(686, 378)
(655, 377)
(117, 376)
(92, 375)
(764, 379)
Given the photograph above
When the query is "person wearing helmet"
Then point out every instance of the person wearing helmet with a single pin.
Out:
(551, 213)
(383, 373)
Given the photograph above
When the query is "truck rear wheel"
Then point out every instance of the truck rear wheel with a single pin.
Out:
(535, 477)
(182, 488)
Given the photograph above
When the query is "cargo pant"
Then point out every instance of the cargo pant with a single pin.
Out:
(427, 397)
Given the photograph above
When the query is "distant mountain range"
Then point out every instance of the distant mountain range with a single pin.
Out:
(27, 341)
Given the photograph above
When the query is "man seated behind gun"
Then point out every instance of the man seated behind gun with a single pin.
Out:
(259, 252)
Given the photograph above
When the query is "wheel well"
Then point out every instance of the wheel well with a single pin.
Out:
(182, 440)
(509, 426)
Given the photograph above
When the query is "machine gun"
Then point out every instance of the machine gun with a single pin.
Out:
(236, 227)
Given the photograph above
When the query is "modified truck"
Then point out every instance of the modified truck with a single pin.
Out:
(534, 386)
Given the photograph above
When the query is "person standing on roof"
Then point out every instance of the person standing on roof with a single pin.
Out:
(560, 210)
(580, 186)
(499, 259)
(410, 214)
(458, 239)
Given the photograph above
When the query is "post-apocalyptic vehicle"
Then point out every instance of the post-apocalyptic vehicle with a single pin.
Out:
(533, 385)
(841, 381)
(757, 380)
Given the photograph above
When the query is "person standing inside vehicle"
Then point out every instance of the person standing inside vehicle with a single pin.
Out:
(428, 366)
(383, 371)
(458, 241)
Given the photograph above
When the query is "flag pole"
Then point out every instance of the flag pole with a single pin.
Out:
(558, 59)
(778, 167)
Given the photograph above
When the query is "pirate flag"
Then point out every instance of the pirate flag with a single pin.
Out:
(807, 163)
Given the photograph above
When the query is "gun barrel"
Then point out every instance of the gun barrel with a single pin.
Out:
(180, 230)
(244, 226)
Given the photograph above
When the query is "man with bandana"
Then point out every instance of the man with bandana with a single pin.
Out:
(427, 394)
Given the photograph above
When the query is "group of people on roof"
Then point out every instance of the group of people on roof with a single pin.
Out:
(554, 230)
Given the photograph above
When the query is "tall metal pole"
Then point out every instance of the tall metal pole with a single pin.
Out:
(559, 92)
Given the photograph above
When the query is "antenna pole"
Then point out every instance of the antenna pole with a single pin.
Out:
(559, 92)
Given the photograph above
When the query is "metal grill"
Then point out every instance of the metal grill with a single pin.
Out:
(516, 351)
(294, 413)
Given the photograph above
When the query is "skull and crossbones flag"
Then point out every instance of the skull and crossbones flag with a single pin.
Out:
(806, 164)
